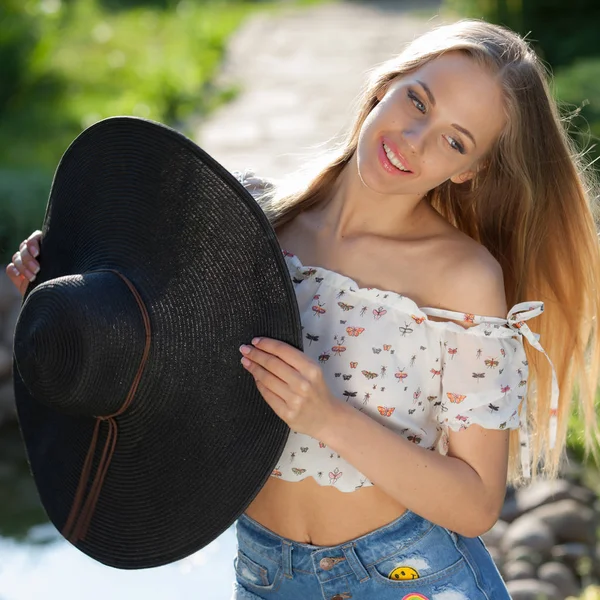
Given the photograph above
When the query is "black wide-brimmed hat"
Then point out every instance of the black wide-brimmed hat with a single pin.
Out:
(145, 435)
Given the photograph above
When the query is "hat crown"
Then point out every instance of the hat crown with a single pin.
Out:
(78, 343)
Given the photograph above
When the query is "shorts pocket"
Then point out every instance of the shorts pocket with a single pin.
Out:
(405, 573)
(249, 573)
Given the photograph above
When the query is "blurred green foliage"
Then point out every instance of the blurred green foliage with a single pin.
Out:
(577, 88)
(65, 64)
(560, 31)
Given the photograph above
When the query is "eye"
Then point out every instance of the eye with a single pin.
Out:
(454, 144)
(417, 102)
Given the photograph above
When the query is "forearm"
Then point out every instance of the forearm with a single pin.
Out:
(442, 489)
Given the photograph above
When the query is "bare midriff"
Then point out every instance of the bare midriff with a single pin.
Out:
(307, 512)
(322, 515)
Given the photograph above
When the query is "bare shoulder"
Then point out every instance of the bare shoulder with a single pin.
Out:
(472, 279)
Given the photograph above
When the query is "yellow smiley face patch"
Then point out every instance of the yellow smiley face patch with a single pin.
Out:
(403, 574)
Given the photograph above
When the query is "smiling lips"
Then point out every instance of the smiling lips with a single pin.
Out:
(392, 160)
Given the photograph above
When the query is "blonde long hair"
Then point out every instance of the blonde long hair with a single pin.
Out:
(533, 208)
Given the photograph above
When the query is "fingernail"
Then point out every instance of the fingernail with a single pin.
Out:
(36, 269)
(245, 361)
(34, 251)
(30, 276)
(15, 271)
(244, 349)
(256, 341)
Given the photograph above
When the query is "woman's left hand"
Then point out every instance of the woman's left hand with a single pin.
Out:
(292, 384)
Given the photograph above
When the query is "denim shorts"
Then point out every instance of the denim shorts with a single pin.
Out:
(408, 559)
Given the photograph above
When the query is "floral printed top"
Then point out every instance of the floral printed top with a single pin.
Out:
(381, 354)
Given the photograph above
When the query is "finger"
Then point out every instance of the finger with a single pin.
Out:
(275, 365)
(33, 243)
(270, 381)
(28, 260)
(274, 401)
(292, 356)
(14, 275)
(23, 270)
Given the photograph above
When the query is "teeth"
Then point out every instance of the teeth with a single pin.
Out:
(393, 158)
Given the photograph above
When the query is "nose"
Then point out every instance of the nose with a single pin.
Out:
(414, 138)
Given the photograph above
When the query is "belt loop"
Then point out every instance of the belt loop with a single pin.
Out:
(355, 564)
(286, 558)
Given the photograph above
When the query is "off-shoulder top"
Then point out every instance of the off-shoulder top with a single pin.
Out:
(380, 353)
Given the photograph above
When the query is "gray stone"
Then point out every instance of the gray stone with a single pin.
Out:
(8, 325)
(560, 576)
(526, 554)
(569, 521)
(9, 294)
(5, 362)
(531, 532)
(532, 589)
(493, 537)
(546, 491)
(571, 551)
(497, 556)
(510, 510)
(7, 402)
(518, 569)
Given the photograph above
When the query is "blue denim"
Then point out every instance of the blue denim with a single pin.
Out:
(408, 559)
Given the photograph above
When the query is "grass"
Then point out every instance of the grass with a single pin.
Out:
(92, 59)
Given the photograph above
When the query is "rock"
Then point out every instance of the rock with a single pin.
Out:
(531, 532)
(7, 402)
(542, 493)
(568, 520)
(510, 510)
(497, 556)
(571, 469)
(545, 492)
(526, 554)
(518, 569)
(532, 589)
(560, 576)
(571, 552)
(493, 537)
(6, 361)
(9, 294)
(9, 324)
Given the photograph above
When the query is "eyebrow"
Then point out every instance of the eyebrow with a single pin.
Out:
(432, 100)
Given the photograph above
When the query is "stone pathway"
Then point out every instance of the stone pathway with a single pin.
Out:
(300, 72)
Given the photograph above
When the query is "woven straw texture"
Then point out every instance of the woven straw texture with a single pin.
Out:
(198, 441)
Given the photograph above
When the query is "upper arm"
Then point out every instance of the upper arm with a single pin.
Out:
(479, 289)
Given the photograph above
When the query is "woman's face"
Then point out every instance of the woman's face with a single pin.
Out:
(431, 125)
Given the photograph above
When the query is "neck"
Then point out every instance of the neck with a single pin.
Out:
(354, 210)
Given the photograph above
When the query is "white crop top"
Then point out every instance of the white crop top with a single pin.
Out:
(381, 354)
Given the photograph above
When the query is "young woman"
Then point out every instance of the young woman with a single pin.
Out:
(456, 195)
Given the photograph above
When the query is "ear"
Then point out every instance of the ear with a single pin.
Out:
(463, 177)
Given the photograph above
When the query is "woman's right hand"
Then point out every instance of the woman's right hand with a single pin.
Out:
(23, 268)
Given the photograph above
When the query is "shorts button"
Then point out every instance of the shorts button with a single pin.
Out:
(326, 564)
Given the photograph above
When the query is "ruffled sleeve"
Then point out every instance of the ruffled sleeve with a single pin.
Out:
(483, 381)
(484, 376)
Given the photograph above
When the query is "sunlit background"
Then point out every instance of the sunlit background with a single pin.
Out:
(65, 64)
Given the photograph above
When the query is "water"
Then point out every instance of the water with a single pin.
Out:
(56, 570)
(36, 563)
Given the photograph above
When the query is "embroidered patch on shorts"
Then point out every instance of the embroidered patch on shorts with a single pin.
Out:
(403, 574)
(415, 596)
